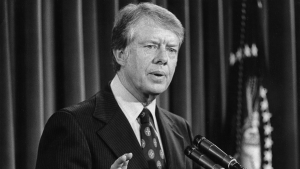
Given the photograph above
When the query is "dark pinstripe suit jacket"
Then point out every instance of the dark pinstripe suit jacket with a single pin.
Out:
(94, 133)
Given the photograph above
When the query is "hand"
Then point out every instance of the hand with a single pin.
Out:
(122, 162)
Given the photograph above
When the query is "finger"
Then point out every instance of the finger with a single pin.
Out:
(128, 156)
(122, 161)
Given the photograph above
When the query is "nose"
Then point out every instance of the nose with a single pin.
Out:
(161, 57)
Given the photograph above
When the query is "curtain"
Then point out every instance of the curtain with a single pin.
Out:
(56, 53)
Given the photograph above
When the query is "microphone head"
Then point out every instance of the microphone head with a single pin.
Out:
(197, 140)
(200, 158)
(188, 150)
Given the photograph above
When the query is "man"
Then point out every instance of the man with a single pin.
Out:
(104, 131)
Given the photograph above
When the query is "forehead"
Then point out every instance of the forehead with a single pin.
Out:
(147, 29)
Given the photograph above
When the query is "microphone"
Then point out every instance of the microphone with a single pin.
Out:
(200, 159)
(216, 153)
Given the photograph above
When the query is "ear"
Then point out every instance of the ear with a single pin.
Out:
(120, 56)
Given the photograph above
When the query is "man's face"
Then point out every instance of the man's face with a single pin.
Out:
(151, 59)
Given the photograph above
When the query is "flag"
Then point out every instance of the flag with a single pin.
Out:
(248, 106)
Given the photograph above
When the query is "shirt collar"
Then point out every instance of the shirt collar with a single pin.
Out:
(130, 106)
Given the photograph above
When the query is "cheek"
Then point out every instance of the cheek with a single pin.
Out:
(143, 59)
(137, 65)
(133, 60)
(172, 66)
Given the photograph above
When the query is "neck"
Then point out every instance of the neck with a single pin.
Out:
(143, 98)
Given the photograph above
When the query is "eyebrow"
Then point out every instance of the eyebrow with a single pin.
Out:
(172, 44)
(150, 41)
(158, 41)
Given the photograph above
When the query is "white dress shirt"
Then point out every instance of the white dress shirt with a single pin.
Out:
(132, 108)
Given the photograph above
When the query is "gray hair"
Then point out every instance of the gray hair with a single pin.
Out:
(128, 17)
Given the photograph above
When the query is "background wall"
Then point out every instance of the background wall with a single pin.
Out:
(56, 53)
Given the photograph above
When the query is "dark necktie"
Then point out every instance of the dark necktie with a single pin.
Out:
(150, 143)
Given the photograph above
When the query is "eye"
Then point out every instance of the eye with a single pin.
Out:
(172, 50)
(151, 46)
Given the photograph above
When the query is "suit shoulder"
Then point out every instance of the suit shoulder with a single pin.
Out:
(80, 114)
(175, 119)
(171, 115)
(86, 106)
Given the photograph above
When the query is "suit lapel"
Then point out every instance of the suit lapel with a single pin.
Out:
(117, 133)
(172, 141)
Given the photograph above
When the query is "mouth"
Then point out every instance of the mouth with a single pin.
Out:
(158, 76)
(158, 73)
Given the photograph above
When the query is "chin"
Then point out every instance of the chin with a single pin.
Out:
(158, 90)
